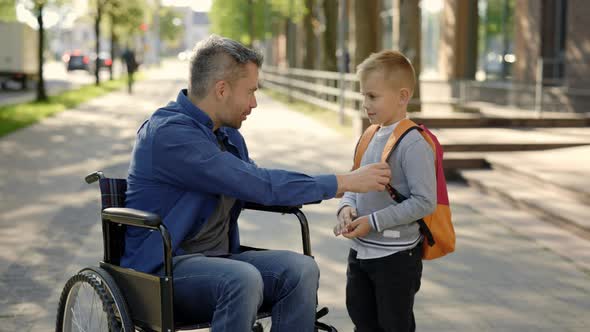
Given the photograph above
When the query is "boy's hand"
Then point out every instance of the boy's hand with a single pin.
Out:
(358, 228)
(346, 215)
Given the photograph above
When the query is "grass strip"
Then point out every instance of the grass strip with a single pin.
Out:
(17, 116)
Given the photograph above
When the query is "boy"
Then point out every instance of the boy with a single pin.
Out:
(384, 263)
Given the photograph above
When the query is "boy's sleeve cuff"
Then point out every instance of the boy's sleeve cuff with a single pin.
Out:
(373, 222)
(342, 206)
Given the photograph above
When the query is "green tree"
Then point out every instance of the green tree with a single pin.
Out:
(251, 20)
(99, 5)
(498, 25)
(7, 11)
(170, 30)
(125, 17)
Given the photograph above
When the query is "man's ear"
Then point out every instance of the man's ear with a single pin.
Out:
(404, 96)
(221, 89)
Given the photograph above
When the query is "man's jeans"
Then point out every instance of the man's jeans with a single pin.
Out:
(229, 291)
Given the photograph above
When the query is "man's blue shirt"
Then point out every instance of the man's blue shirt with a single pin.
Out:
(178, 171)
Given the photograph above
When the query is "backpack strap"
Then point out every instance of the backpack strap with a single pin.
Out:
(362, 144)
(402, 128)
(396, 196)
(400, 131)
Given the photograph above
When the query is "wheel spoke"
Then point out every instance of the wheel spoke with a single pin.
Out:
(75, 321)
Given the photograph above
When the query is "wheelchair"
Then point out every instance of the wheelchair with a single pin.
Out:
(113, 298)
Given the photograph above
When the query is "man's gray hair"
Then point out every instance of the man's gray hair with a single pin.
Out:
(217, 58)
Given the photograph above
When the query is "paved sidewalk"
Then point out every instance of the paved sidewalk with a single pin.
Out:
(49, 224)
(498, 280)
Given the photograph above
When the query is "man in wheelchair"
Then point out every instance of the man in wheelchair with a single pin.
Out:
(190, 166)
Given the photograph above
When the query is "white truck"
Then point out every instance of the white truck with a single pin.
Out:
(19, 45)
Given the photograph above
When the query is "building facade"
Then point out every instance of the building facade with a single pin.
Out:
(504, 49)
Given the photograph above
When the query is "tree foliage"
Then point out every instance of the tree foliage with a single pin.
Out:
(127, 16)
(170, 31)
(250, 20)
(7, 10)
(124, 18)
(499, 16)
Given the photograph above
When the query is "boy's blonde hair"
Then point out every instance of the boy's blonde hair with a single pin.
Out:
(395, 67)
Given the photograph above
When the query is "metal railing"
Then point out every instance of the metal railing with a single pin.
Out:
(325, 89)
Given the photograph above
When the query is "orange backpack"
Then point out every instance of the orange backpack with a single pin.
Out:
(437, 227)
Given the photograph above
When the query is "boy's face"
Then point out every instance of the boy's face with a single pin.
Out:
(383, 101)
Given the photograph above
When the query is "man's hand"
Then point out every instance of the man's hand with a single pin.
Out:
(358, 228)
(346, 215)
(371, 177)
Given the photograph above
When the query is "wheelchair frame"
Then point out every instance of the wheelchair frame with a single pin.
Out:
(148, 299)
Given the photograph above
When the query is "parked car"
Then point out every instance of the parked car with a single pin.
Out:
(76, 61)
(104, 60)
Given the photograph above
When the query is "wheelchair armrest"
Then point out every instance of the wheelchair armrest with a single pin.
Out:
(275, 208)
(296, 210)
(271, 208)
(132, 217)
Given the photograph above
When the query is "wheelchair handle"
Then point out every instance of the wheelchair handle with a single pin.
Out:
(94, 176)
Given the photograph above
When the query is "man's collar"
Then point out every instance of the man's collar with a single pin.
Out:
(196, 113)
(193, 111)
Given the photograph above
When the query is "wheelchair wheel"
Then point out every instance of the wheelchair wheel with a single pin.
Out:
(91, 301)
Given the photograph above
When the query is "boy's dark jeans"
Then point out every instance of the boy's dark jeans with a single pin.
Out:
(380, 292)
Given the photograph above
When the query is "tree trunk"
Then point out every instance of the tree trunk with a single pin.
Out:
(97, 33)
(41, 93)
(410, 43)
(113, 43)
(291, 34)
(310, 38)
(329, 60)
(251, 22)
(367, 29)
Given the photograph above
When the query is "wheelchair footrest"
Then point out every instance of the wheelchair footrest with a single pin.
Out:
(323, 326)
(321, 313)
